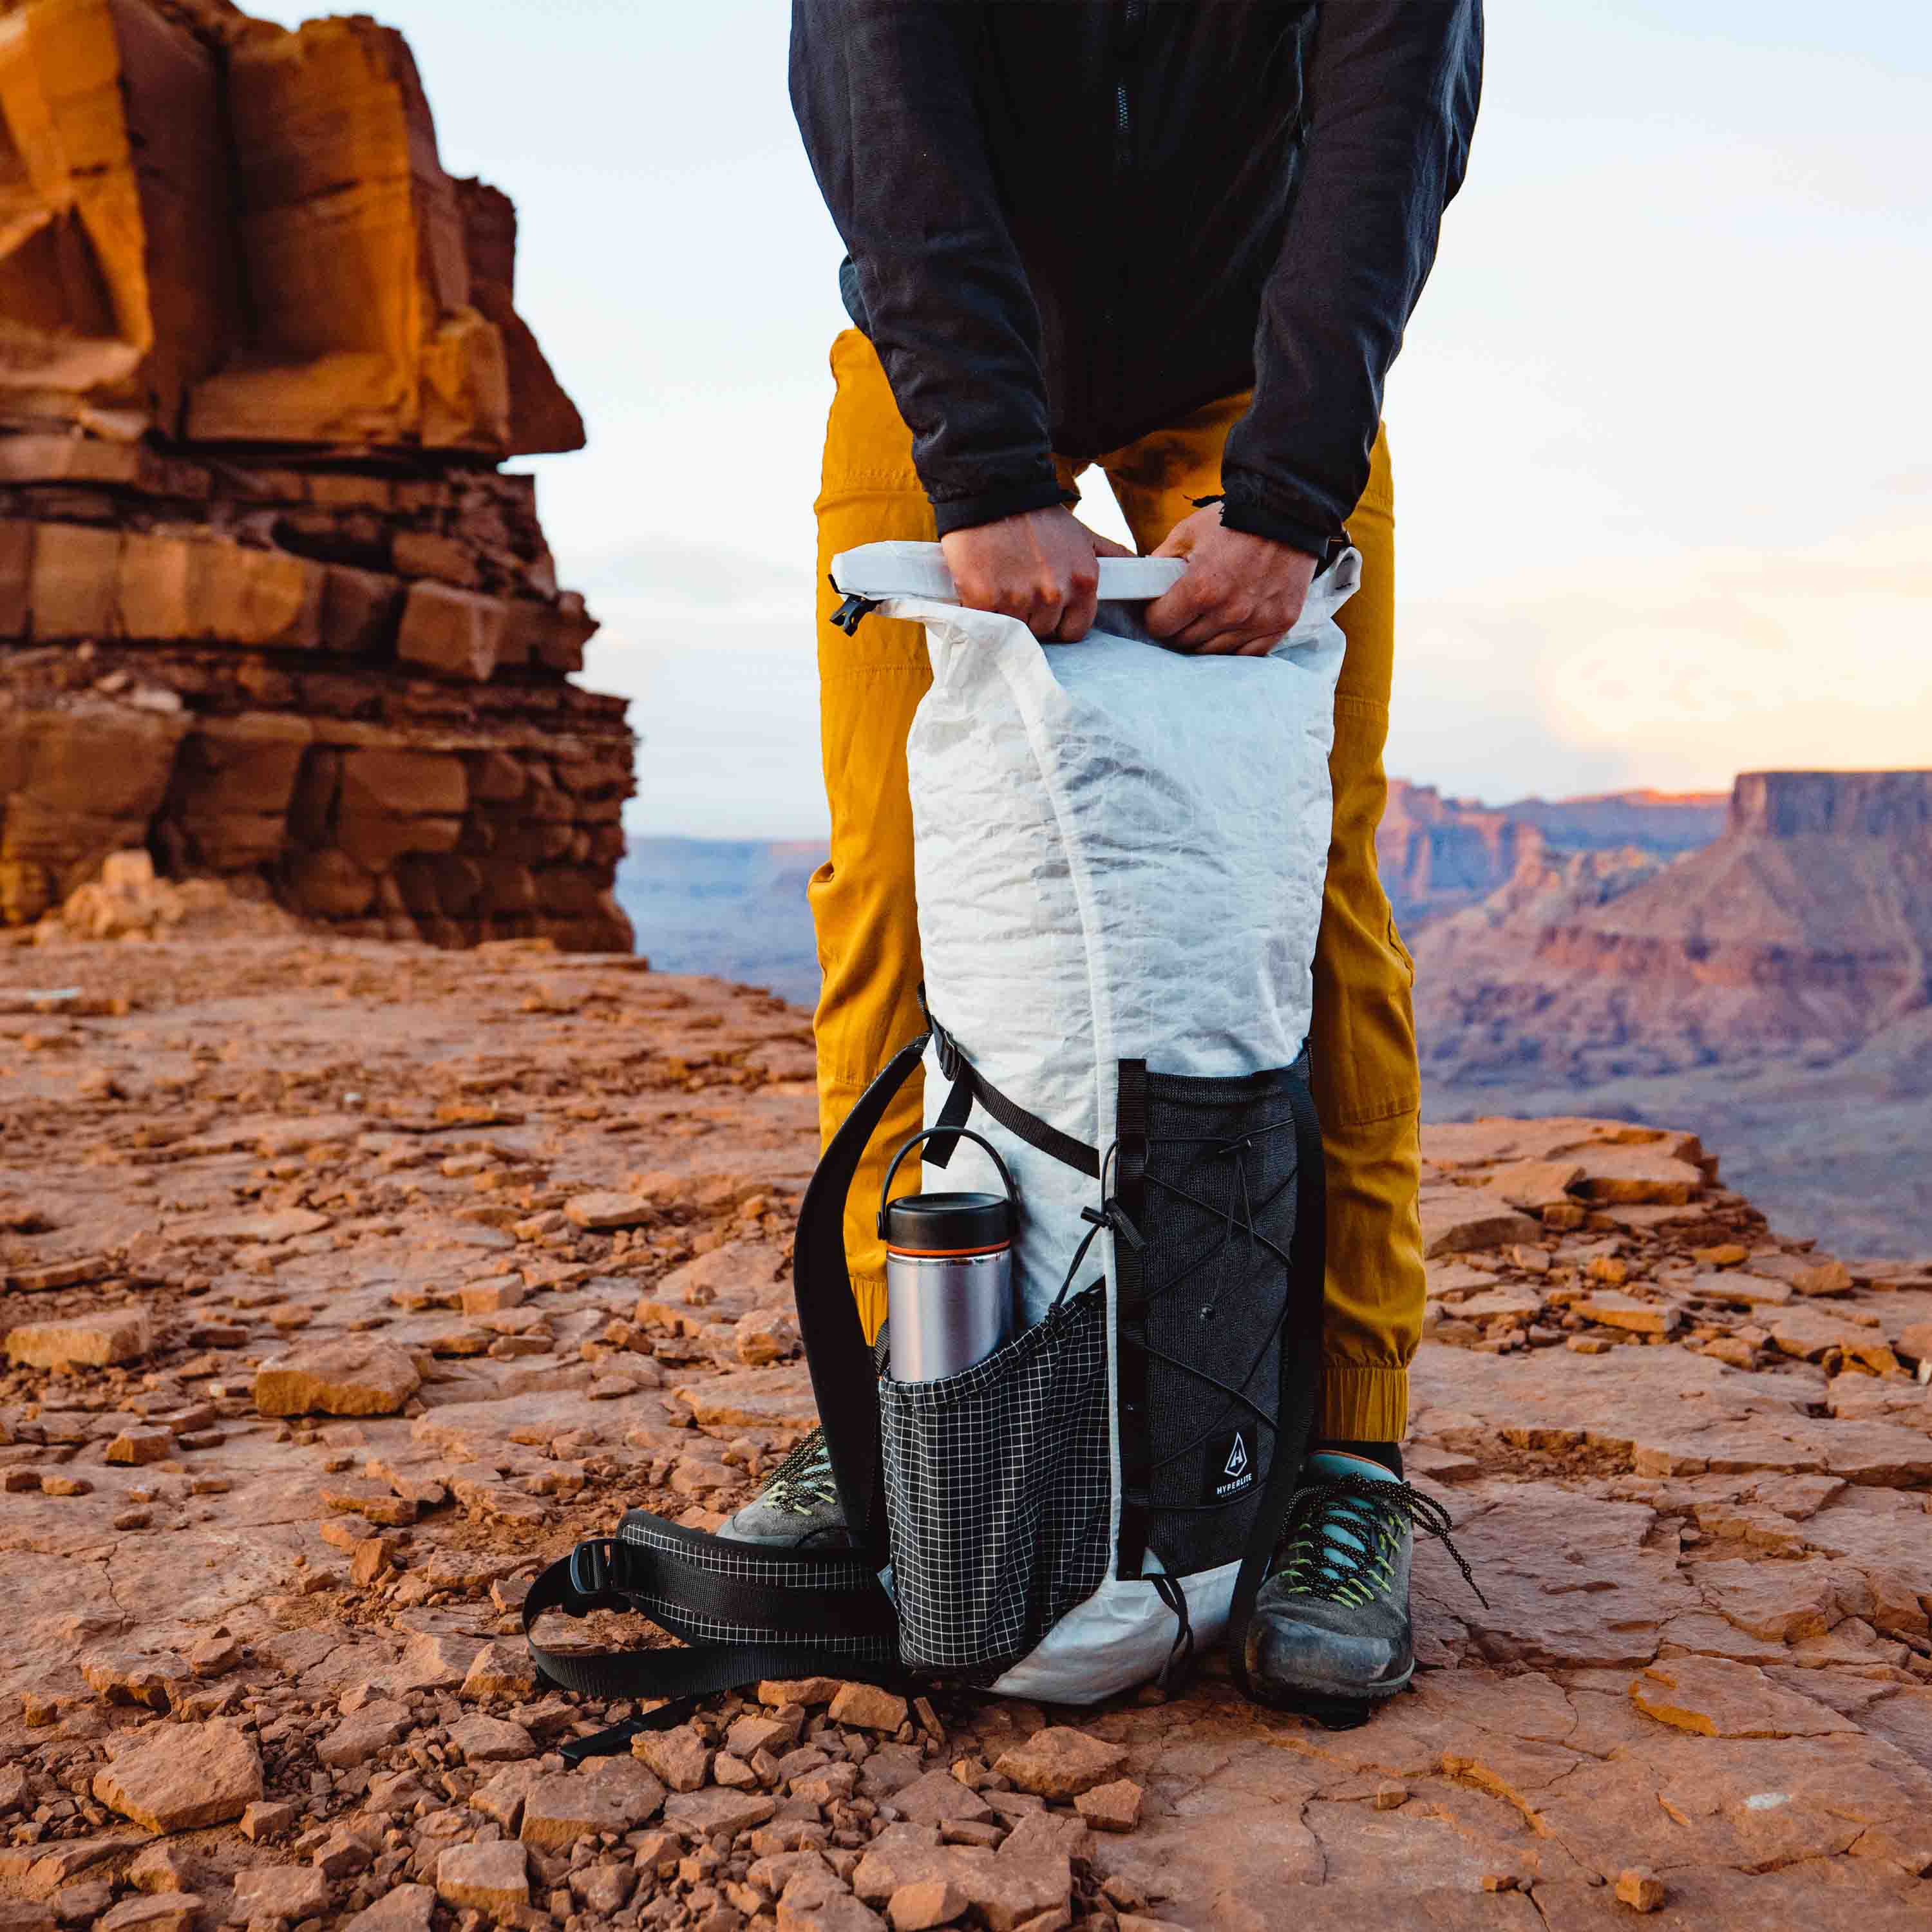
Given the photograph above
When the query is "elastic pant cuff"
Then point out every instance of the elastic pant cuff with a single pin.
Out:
(868, 1291)
(1361, 1404)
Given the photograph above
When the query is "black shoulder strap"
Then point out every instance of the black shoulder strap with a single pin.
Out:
(844, 1380)
(673, 1580)
(610, 1574)
(1300, 1376)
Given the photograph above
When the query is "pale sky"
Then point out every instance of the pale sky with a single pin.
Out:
(1662, 430)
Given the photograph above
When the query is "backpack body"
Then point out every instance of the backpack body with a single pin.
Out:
(1120, 853)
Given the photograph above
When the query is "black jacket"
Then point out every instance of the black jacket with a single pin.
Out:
(1072, 221)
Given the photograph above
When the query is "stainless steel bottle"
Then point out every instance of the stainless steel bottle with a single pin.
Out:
(949, 1272)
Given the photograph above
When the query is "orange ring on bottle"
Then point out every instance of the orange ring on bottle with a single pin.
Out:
(947, 1254)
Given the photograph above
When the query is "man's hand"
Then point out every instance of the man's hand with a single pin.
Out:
(1241, 593)
(1041, 567)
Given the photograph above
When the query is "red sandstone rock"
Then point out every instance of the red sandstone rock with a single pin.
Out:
(89, 1342)
(1719, 1699)
(609, 1209)
(868, 1706)
(818, 1902)
(281, 1892)
(1810, 1333)
(407, 1908)
(184, 174)
(1640, 1890)
(1616, 1508)
(347, 1378)
(559, 1810)
(267, 1819)
(159, 1911)
(1060, 1763)
(500, 1670)
(1456, 1219)
(925, 1903)
(1110, 1807)
(705, 1813)
(493, 1879)
(1627, 1311)
(678, 1756)
(178, 1777)
(938, 1798)
(776, 1693)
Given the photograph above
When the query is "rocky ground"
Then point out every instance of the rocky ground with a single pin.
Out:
(347, 1284)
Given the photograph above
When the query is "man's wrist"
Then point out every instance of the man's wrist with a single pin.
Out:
(1298, 528)
(993, 506)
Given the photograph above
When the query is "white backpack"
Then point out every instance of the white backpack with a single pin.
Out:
(1120, 857)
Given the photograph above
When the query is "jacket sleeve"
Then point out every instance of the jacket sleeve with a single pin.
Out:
(883, 90)
(1391, 92)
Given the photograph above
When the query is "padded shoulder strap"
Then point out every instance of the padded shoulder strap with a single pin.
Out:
(844, 1380)
(1300, 1376)
(811, 1598)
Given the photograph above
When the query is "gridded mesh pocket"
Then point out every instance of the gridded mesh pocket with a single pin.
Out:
(998, 1487)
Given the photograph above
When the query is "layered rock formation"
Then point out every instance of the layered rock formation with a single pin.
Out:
(1438, 855)
(267, 604)
(1772, 989)
(1802, 933)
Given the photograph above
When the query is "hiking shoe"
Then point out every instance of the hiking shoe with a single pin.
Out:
(1331, 1636)
(798, 1505)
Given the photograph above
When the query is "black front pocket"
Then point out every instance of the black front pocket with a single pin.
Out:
(1219, 1311)
(998, 1485)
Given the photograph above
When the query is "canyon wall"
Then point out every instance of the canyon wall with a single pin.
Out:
(268, 604)
(1438, 855)
(1804, 933)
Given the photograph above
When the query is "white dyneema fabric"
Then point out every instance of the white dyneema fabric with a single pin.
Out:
(1119, 853)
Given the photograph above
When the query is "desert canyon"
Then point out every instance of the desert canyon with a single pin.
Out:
(375, 1223)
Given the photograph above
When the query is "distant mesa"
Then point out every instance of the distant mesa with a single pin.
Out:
(1438, 854)
(267, 607)
(1803, 931)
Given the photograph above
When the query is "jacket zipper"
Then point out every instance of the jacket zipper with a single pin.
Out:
(1132, 19)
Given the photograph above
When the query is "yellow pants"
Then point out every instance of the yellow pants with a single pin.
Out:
(1364, 1043)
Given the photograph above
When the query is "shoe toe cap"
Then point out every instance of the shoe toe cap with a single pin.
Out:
(1290, 1653)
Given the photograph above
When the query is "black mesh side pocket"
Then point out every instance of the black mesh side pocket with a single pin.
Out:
(997, 1486)
(1220, 1315)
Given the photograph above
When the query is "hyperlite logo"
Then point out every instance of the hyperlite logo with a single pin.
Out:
(1230, 1469)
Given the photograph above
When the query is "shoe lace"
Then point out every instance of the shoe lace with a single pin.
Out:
(1355, 1568)
(802, 1482)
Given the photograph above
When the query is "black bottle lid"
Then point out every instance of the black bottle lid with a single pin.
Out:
(948, 1224)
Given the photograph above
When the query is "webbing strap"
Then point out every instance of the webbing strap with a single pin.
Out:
(1301, 1372)
(971, 1086)
(1130, 1159)
(620, 1571)
(953, 1116)
(844, 1382)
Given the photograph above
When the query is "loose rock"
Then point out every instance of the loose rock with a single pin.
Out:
(174, 1777)
(92, 1342)
(346, 1378)
(1059, 1762)
(493, 1879)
